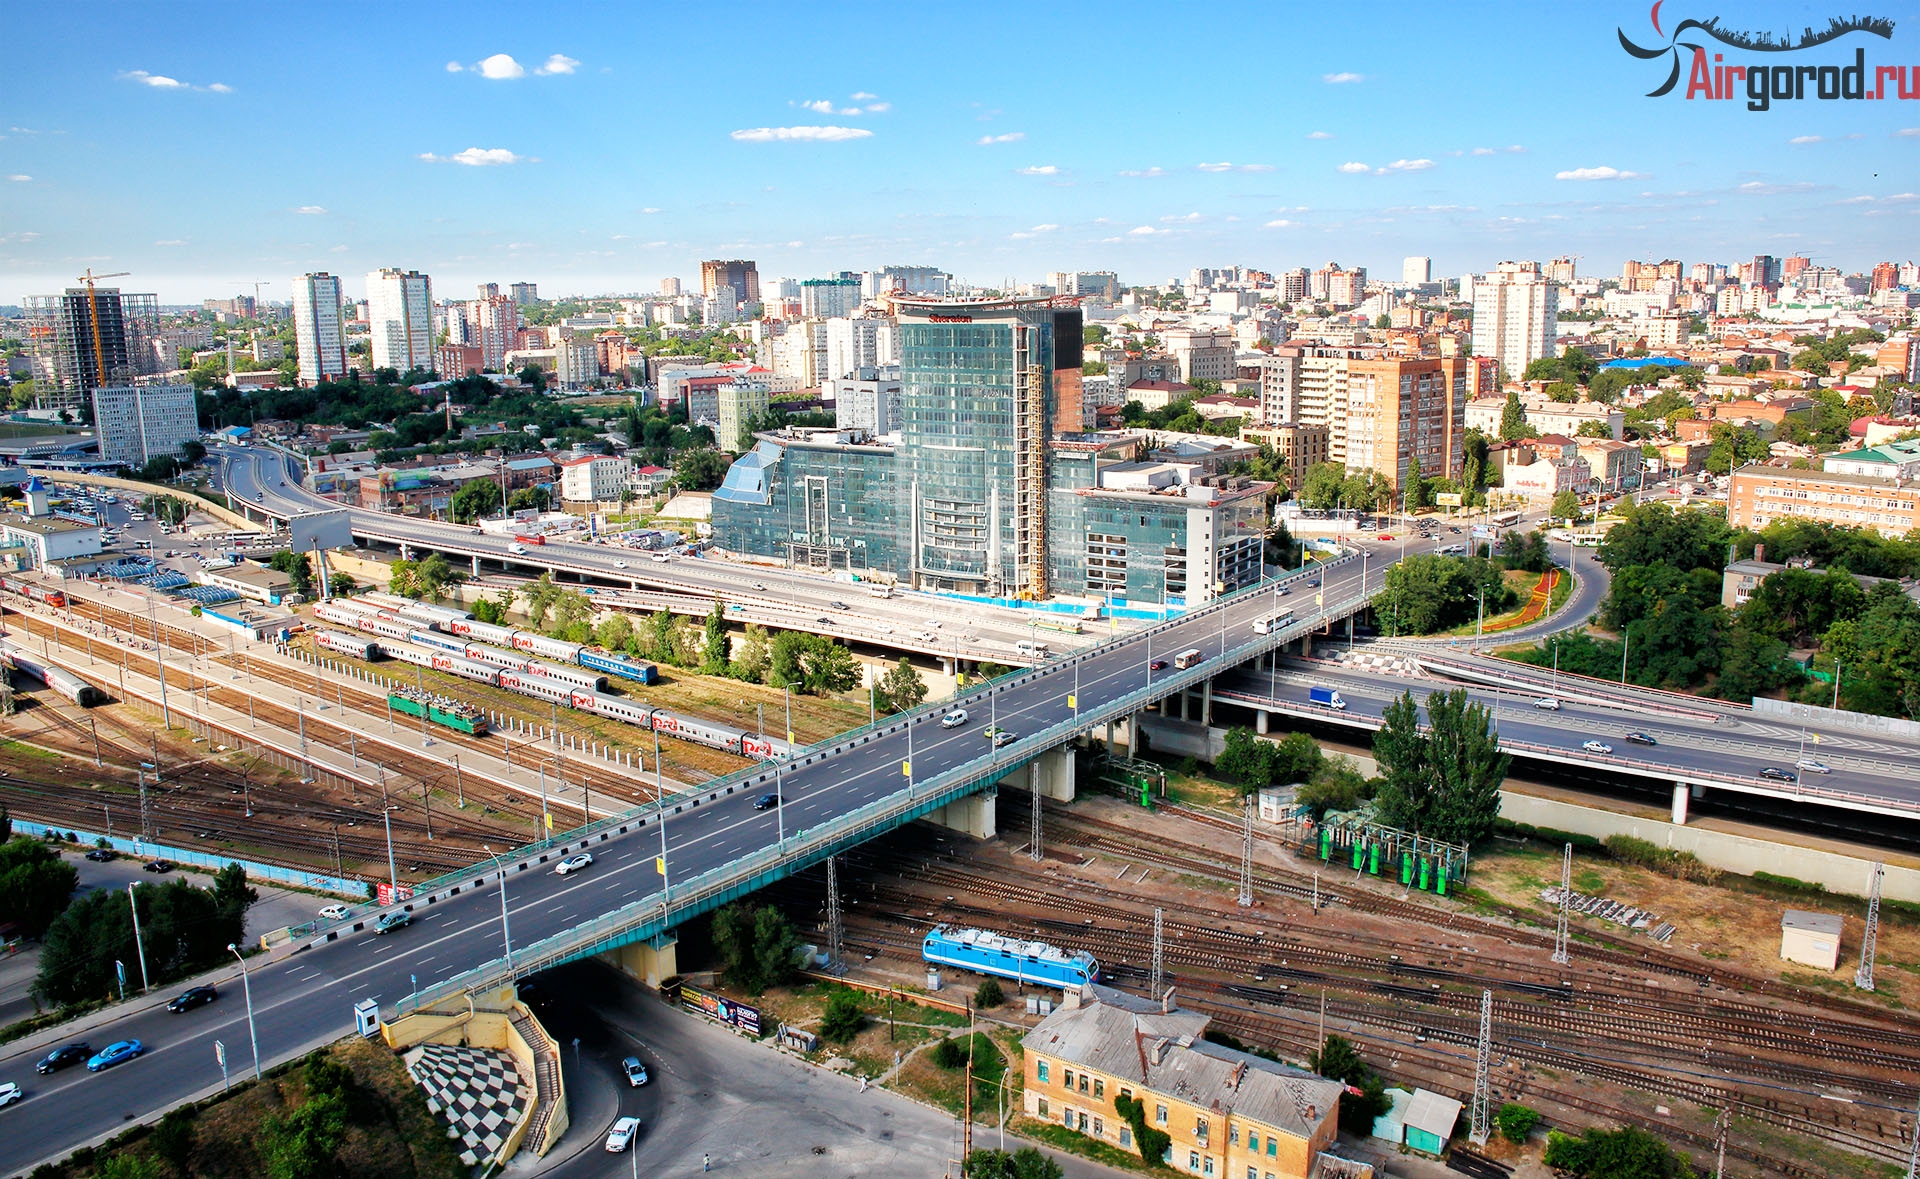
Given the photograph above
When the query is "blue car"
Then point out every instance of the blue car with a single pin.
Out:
(115, 1053)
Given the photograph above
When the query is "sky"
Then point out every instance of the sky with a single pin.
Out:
(596, 148)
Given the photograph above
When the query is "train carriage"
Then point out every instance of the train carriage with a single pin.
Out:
(497, 657)
(585, 681)
(484, 632)
(346, 644)
(986, 952)
(519, 681)
(439, 642)
(620, 665)
(545, 647)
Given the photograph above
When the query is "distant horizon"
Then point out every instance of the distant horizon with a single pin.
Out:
(487, 142)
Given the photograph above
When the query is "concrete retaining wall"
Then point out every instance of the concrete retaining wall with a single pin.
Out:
(1849, 875)
(1813, 714)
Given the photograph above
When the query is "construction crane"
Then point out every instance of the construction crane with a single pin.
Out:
(93, 314)
(257, 284)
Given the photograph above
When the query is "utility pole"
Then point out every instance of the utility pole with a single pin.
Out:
(1034, 851)
(1158, 977)
(1560, 954)
(1246, 854)
(834, 929)
(1720, 1126)
(1482, 1089)
(1863, 977)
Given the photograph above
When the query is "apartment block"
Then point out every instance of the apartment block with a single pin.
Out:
(1760, 495)
(743, 276)
(1298, 444)
(738, 403)
(1516, 315)
(138, 423)
(593, 478)
(1403, 411)
(1203, 354)
(400, 314)
(319, 342)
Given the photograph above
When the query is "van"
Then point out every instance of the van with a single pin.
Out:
(954, 719)
(517, 549)
(1026, 647)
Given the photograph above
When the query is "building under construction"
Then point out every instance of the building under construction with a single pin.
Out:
(89, 338)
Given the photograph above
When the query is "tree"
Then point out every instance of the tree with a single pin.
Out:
(1247, 759)
(1339, 1060)
(1296, 757)
(1566, 506)
(1336, 785)
(1418, 493)
(183, 928)
(232, 895)
(474, 499)
(1445, 783)
(533, 376)
(843, 1018)
(1473, 470)
(1513, 419)
(1594, 429)
(714, 643)
(1321, 486)
(756, 944)
(1626, 1153)
(35, 884)
(537, 499)
(811, 663)
(298, 569)
(616, 633)
(1516, 1122)
(1151, 1140)
(988, 994)
(700, 470)
(755, 655)
(1025, 1163)
(900, 690)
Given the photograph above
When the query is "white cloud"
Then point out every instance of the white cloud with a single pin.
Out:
(1356, 168)
(1151, 173)
(1319, 135)
(1342, 78)
(221, 88)
(1902, 197)
(1182, 218)
(1044, 228)
(476, 157)
(1907, 133)
(1041, 170)
(1762, 188)
(1483, 151)
(1800, 139)
(1225, 167)
(879, 108)
(336, 249)
(24, 236)
(863, 96)
(820, 134)
(501, 68)
(1855, 200)
(310, 210)
(1145, 231)
(819, 106)
(454, 67)
(649, 210)
(1353, 168)
(157, 81)
(19, 178)
(1009, 137)
(1603, 172)
(558, 63)
(1281, 223)
(171, 241)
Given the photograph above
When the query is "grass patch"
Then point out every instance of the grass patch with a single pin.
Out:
(22, 749)
(1075, 1143)
(1589, 881)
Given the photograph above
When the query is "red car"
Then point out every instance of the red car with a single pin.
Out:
(1385, 536)
(1157, 665)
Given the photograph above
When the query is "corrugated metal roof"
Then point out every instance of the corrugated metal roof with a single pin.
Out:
(1433, 1113)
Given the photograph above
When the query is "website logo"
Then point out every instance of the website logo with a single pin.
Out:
(1723, 64)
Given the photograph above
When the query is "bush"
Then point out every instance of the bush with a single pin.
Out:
(1788, 883)
(1602, 1154)
(950, 1053)
(843, 1019)
(1680, 865)
(1516, 1122)
(988, 994)
(1152, 1142)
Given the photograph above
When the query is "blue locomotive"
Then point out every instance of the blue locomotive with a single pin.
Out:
(986, 952)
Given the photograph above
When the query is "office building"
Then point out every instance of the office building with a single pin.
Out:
(319, 342)
(524, 293)
(740, 274)
(400, 314)
(136, 423)
(86, 338)
(1516, 316)
(829, 298)
(1203, 354)
(1416, 271)
(740, 401)
(1760, 495)
(867, 400)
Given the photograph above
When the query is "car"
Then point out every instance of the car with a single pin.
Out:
(1003, 737)
(192, 997)
(391, 921)
(1547, 704)
(1285, 590)
(1157, 665)
(923, 636)
(1777, 774)
(1639, 738)
(766, 802)
(1596, 747)
(619, 564)
(823, 620)
(1454, 528)
(1814, 767)
(1313, 583)
(839, 605)
(954, 719)
(883, 628)
(101, 855)
(573, 864)
(636, 1072)
(621, 1136)
(334, 912)
(662, 558)
(10, 1093)
(61, 1057)
(158, 866)
(761, 586)
(118, 1052)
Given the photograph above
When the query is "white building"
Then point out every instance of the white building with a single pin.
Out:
(852, 344)
(867, 399)
(1203, 354)
(593, 478)
(1416, 272)
(827, 298)
(1516, 315)
(318, 338)
(576, 362)
(400, 312)
(138, 423)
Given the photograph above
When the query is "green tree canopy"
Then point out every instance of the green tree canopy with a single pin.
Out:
(474, 499)
(1444, 783)
(757, 945)
(35, 884)
(900, 690)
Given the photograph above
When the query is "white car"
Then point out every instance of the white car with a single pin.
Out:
(621, 1136)
(954, 719)
(573, 864)
(619, 564)
(10, 1093)
(1548, 703)
(1596, 747)
(334, 912)
(1814, 767)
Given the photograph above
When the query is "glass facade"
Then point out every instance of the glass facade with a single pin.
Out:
(823, 504)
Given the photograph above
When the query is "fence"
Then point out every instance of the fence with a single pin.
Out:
(144, 849)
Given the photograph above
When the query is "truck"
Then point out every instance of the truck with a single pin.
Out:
(533, 539)
(1326, 698)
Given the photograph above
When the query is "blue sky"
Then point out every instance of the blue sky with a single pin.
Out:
(596, 148)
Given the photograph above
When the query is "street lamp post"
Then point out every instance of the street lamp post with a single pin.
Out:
(246, 982)
(660, 799)
(506, 934)
(134, 906)
(393, 872)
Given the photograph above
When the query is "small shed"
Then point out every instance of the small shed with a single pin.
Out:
(1392, 1125)
(1811, 939)
(1430, 1119)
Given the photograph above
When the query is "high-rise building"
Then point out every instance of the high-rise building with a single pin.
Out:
(524, 293)
(851, 344)
(906, 280)
(489, 290)
(1086, 284)
(136, 423)
(1204, 354)
(1886, 275)
(741, 275)
(829, 298)
(1402, 411)
(1561, 269)
(1416, 271)
(670, 287)
(740, 401)
(318, 339)
(86, 339)
(400, 313)
(1516, 316)
(867, 400)
(1294, 284)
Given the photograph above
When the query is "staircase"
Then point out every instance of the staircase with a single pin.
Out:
(546, 1072)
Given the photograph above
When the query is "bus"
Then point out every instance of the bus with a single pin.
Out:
(1267, 626)
(1068, 626)
(1504, 519)
(879, 589)
(1188, 658)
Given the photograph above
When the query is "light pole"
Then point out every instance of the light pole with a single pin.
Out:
(246, 982)
(660, 800)
(505, 933)
(134, 905)
(393, 873)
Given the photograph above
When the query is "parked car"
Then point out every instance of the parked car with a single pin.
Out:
(391, 921)
(766, 802)
(1777, 774)
(1596, 747)
(621, 1136)
(954, 719)
(1639, 738)
(334, 912)
(10, 1093)
(118, 1052)
(192, 997)
(61, 1057)
(1814, 767)
(101, 855)
(636, 1072)
(158, 866)
(573, 864)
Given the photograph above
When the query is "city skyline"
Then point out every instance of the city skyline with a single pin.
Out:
(562, 148)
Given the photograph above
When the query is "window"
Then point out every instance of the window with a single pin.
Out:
(1233, 1135)
(1160, 1115)
(1253, 1141)
(1126, 1092)
(1099, 1087)
(1069, 1076)
(1083, 1082)
(1040, 1108)
(1253, 1173)
(1207, 1165)
(1066, 1117)
(1273, 1146)
(1099, 1130)
(1040, 1071)
(1126, 1136)
(1200, 1130)
(1193, 1160)
(1083, 1121)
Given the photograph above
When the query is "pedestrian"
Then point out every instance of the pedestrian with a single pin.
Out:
(863, 1084)
(706, 1163)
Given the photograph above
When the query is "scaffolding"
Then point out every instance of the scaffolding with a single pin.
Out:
(83, 340)
(1030, 432)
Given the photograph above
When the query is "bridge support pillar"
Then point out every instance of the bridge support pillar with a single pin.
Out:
(1206, 701)
(946, 666)
(973, 815)
(406, 551)
(1055, 772)
(1306, 645)
(1681, 795)
(652, 961)
(1133, 734)
(1261, 721)
(476, 564)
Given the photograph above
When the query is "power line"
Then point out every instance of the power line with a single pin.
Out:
(1482, 1089)
(1246, 854)
(834, 925)
(1158, 977)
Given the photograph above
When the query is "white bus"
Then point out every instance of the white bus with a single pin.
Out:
(1267, 626)
(1188, 658)
(1504, 519)
(879, 589)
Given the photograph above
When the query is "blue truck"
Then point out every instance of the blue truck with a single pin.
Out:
(1326, 698)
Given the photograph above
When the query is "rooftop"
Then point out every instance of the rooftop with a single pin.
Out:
(1827, 923)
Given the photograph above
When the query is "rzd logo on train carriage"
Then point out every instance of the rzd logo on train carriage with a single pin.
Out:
(440, 662)
(662, 723)
(581, 700)
(1761, 81)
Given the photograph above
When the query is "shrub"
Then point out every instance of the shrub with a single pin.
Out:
(1152, 1142)
(988, 994)
(950, 1053)
(843, 1018)
(1788, 883)
(1516, 1122)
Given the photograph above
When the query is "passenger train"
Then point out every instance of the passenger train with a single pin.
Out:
(985, 952)
(28, 589)
(419, 616)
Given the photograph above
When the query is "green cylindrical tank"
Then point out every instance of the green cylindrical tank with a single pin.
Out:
(1373, 861)
(1326, 845)
(1358, 851)
(1406, 868)
(1425, 868)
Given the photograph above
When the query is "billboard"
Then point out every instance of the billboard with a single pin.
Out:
(386, 894)
(1448, 499)
(320, 530)
(721, 1008)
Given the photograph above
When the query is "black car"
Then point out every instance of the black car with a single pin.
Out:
(159, 866)
(1778, 775)
(840, 606)
(1638, 738)
(63, 1056)
(101, 855)
(192, 997)
(766, 802)
(1314, 584)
